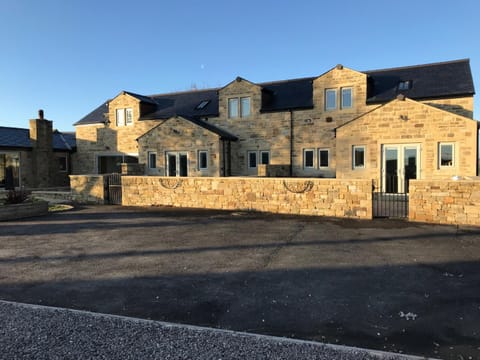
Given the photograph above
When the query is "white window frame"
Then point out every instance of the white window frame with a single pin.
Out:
(260, 158)
(149, 154)
(128, 116)
(120, 117)
(363, 148)
(440, 145)
(342, 105)
(330, 108)
(240, 111)
(248, 159)
(243, 112)
(200, 153)
(305, 158)
(320, 166)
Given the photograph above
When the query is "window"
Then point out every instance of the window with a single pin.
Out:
(202, 105)
(308, 158)
(330, 99)
(252, 159)
(358, 157)
(404, 85)
(244, 107)
(124, 117)
(62, 163)
(347, 100)
(265, 157)
(239, 107)
(176, 164)
(446, 155)
(323, 158)
(202, 160)
(152, 160)
(129, 116)
(120, 119)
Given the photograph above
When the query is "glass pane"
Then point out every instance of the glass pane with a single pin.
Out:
(330, 99)
(265, 158)
(172, 165)
(203, 160)
(410, 164)
(183, 165)
(233, 108)
(391, 170)
(252, 159)
(359, 157)
(129, 116)
(245, 107)
(309, 158)
(446, 155)
(346, 98)
(9, 170)
(152, 161)
(120, 117)
(323, 154)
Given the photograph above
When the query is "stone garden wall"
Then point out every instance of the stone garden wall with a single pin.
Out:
(321, 197)
(445, 201)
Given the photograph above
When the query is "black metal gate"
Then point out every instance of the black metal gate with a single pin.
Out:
(113, 189)
(390, 203)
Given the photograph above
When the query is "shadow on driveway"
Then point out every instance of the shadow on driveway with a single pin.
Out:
(412, 288)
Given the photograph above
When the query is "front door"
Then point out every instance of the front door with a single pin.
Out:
(400, 164)
(177, 164)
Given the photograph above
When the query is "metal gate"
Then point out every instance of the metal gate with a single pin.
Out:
(389, 204)
(113, 189)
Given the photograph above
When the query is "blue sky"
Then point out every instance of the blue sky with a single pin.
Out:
(67, 56)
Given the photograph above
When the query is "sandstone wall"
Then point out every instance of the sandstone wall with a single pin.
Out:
(87, 189)
(321, 197)
(445, 202)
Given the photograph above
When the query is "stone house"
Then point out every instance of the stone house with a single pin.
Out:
(400, 123)
(38, 157)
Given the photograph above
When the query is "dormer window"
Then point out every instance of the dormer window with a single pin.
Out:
(124, 117)
(404, 85)
(239, 107)
(202, 105)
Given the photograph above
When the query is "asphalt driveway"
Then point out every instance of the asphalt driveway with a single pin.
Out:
(386, 285)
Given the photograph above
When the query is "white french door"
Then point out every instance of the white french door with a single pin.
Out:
(177, 164)
(401, 162)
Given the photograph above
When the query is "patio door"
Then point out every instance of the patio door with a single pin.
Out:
(177, 164)
(400, 164)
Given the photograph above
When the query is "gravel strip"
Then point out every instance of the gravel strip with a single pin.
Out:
(38, 332)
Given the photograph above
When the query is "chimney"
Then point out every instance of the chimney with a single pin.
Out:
(42, 151)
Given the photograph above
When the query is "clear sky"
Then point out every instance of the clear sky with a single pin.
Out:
(69, 56)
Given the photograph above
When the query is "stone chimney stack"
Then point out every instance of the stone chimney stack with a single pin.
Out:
(41, 135)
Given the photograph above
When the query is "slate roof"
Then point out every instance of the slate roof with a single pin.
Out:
(437, 80)
(444, 79)
(287, 94)
(184, 104)
(20, 138)
(224, 135)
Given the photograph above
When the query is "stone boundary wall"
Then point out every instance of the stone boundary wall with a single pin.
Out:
(87, 189)
(23, 210)
(273, 170)
(320, 197)
(445, 201)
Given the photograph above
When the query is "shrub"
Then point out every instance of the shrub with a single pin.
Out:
(16, 196)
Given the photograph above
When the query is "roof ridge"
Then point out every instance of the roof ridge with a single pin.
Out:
(183, 92)
(418, 66)
(287, 80)
(13, 128)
